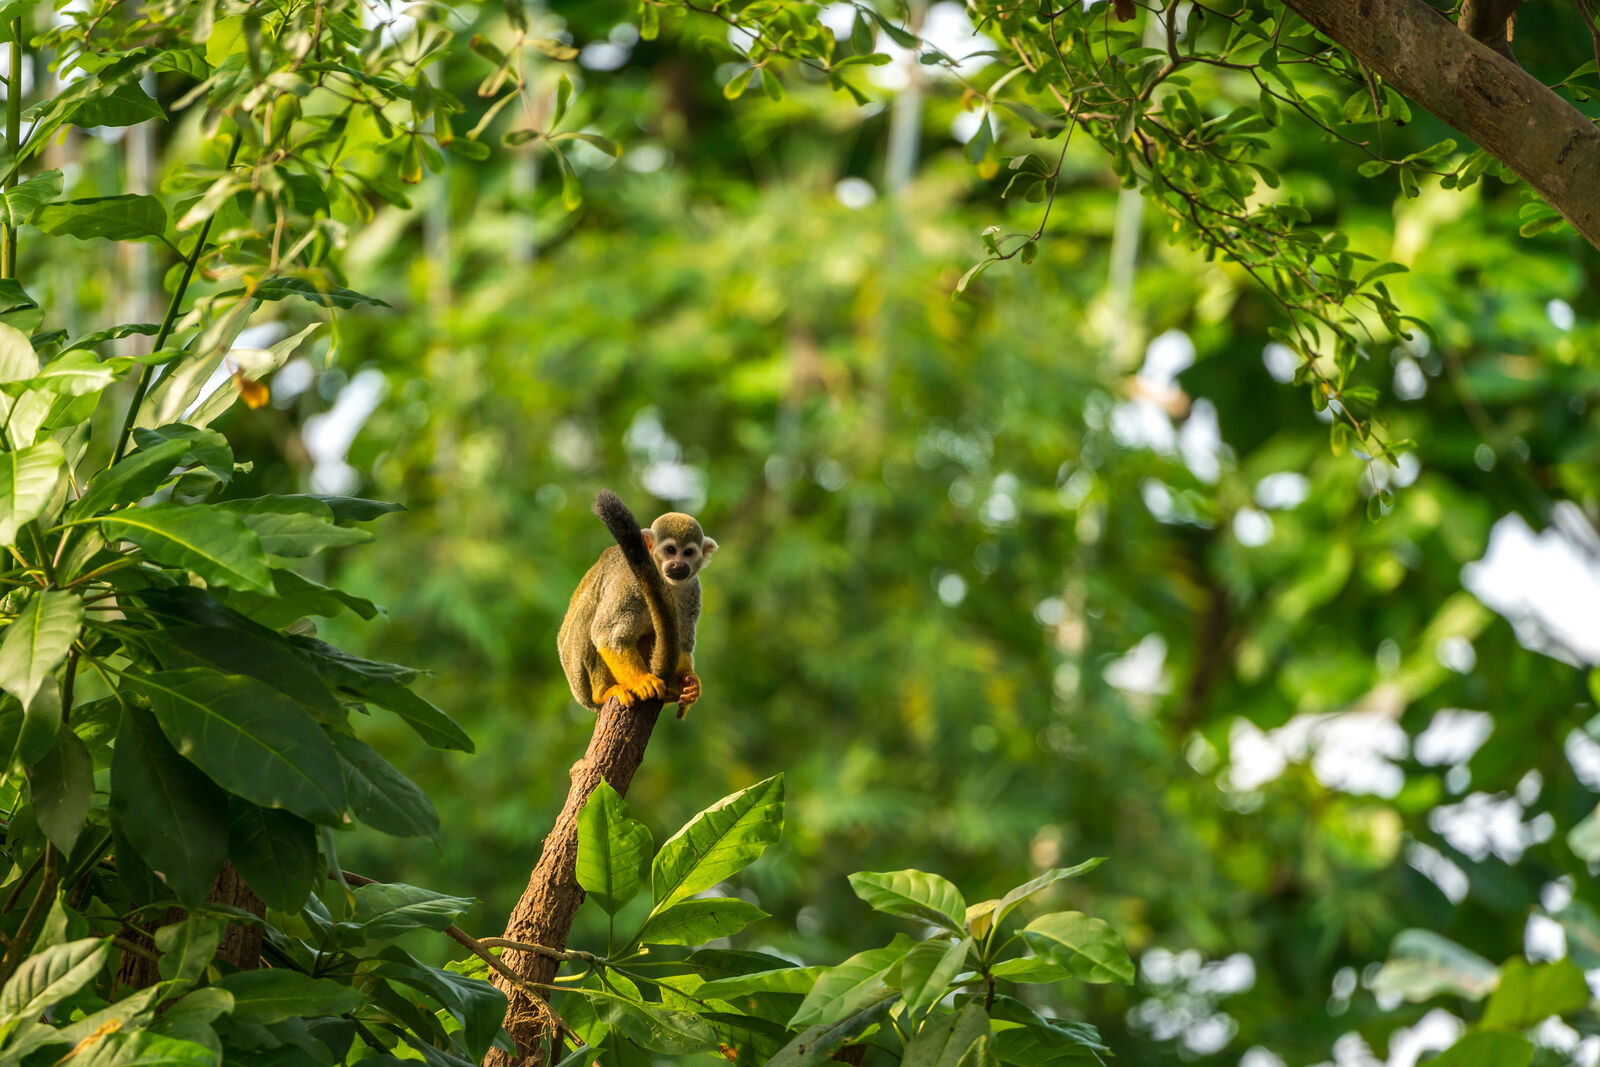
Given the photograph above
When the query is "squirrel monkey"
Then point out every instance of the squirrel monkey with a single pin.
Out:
(609, 633)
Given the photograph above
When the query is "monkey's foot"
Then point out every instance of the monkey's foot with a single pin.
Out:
(648, 686)
(688, 692)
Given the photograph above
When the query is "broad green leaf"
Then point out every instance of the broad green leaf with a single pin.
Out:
(1035, 969)
(294, 597)
(944, 1039)
(128, 217)
(268, 996)
(208, 448)
(275, 853)
(380, 795)
(844, 988)
(816, 1044)
(1088, 947)
(723, 839)
(914, 895)
(131, 478)
(294, 526)
(141, 1048)
(928, 970)
(614, 850)
(214, 544)
(435, 728)
(353, 508)
(186, 947)
(258, 653)
(173, 815)
(1057, 1035)
(1486, 1048)
(1529, 993)
(127, 105)
(696, 921)
(77, 373)
(387, 909)
(1027, 889)
(249, 738)
(475, 1003)
(28, 479)
(326, 296)
(127, 329)
(18, 362)
(41, 723)
(37, 640)
(134, 1010)
(981, 1054)
(339, 667)
(794, 980)
(62, 786)
(1423, 964)
(46, 977)
(24, 198)
(17, 309)
(652, 1026)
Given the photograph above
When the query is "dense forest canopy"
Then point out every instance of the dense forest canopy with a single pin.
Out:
(1158, 432)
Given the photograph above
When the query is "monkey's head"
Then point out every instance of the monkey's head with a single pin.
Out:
(678, 545)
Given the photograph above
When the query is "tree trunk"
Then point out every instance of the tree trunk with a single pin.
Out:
(241, 945)
(1486, 96)
(544, 914)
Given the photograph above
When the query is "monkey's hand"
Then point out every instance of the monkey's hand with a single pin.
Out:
(688, 692)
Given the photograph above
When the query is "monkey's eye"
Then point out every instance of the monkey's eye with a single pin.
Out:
(670, 550)
(688, 553)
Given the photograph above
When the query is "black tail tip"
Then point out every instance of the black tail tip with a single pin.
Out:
(610, 509)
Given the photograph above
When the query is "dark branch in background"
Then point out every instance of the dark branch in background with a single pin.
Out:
(1490, 21)
(544, 914)
(1516, 118)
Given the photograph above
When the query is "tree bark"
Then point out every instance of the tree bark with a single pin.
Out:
(241, 945)
(1484, 95)
(544, 914)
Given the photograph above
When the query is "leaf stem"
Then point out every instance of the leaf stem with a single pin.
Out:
(23, 938)
(8, 251)
(171, 317)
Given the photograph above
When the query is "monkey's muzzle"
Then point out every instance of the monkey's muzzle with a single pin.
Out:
(678, 570)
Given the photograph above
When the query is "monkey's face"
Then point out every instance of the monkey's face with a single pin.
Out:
(678, 546)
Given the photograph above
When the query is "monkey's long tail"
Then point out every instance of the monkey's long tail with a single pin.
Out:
(625, 528)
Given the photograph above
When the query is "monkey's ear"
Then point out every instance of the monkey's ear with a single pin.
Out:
(707, 546)
(649, 539)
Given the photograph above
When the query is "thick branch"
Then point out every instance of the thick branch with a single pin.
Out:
(1486, 96)
(544, 914)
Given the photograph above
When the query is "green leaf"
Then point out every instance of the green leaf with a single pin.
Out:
(651, 1026)
(613, 850)
(324, 295)
(796, 981)
(844, 988)
(47, 977)
(62, 786)
(1488, 1048)
(295, 597)
(214, 544)
(913, 894)
(738, 84)
(1048, 1035)
(815, 1045)
(1009, 902)
(944, 1039)
(28, 479)
(173, 816)
(17, 309)
(1031, 969)
(18, 362)
(1088, 947)
(294, 526)
(387, 909)
(141, 1048)
(435, 728)
(272, 995)
(208, 448)
(723, 839)
(696, 921)
(131, 478)
(476, 1004)
(249, 738)
(275, 853)
(127, 217)
(1529, 993)
(37, 641)
(77, 373)
(24, 198)
(127, 329)
(186, 947)
(381, 796)
(262, 655)
(928, 970)
(127, 105)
